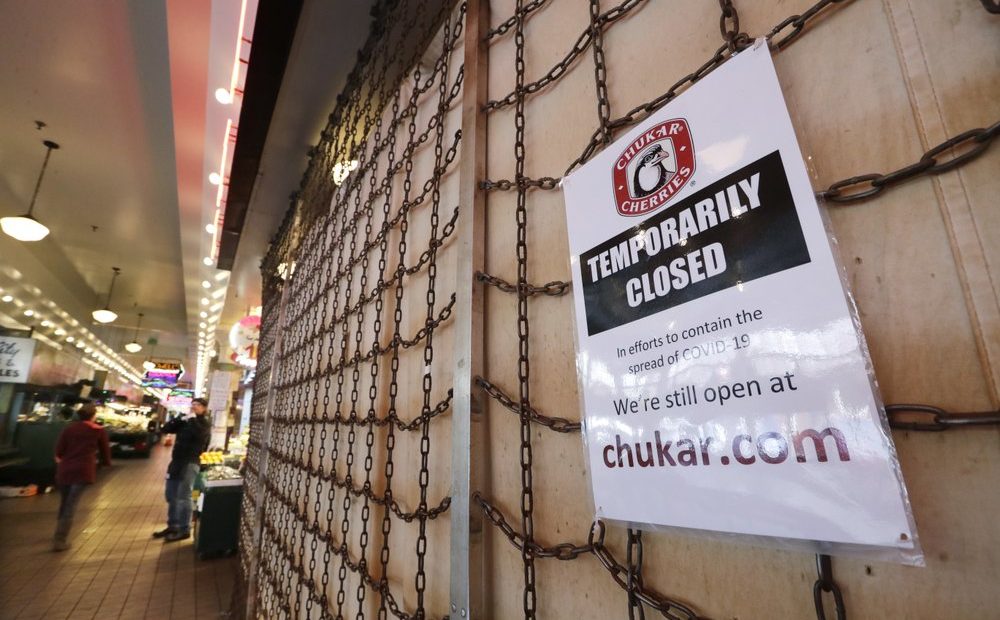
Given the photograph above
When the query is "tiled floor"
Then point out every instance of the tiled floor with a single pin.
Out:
(114, 569)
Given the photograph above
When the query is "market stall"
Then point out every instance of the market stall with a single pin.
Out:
(131, 430)
(219, 493)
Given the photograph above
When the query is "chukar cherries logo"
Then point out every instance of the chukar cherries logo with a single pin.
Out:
(652, 169)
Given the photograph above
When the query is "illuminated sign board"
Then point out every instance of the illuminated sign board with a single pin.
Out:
(163, 375)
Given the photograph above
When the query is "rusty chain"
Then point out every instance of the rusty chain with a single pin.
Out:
(633, 581)
(729, 27)
(333, 310)
(597, 547)
(332, 402)
(930, 418)
(523, 363)
(825, 583)
(957, 151)
(559, 425)
(524, 182)
(555, 288)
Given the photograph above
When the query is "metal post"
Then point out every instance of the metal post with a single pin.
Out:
(468, 460)
(258, 535)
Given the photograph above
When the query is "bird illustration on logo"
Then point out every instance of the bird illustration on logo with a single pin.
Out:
(654, 169)
(654, 166)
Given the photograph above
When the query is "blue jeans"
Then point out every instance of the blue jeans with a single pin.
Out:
(69, 498)
(178, 494)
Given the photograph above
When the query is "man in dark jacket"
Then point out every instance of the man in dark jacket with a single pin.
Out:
(192, 437)
(76, 467)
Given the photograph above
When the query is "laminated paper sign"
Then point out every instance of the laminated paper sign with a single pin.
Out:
(726, 384)
(15, 359)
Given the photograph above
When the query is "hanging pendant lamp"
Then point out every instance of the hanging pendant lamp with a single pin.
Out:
(26, 227)
(105, 314)
(134, 346)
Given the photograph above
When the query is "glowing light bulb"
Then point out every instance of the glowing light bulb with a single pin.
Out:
(223, 96)
(24, 228)
(214, 178)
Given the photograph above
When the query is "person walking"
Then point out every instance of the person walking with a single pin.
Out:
(192, 436)
(77, 450)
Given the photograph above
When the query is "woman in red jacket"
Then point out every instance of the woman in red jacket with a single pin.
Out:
(76, 467)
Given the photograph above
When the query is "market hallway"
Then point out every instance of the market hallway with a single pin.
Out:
(114, 568)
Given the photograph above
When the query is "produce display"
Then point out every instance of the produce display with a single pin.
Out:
(221, 472)
(40, 412)
(238, 443)
(124, 423)
(212, 457)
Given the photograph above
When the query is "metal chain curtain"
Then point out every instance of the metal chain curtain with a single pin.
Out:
(352, 312)
(355, 266)
(628, 574)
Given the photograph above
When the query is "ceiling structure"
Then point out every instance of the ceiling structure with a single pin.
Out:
(96, 74)
(209, 45)
(127, 89)
(323, 52)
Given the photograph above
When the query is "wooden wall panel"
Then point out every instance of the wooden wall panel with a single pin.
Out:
(921, 261)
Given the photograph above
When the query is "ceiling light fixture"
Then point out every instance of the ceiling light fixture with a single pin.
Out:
(29, 313)
(7, 299)
(208, 261)
(105, 315)
(26, 227)
(134, 346)
(210, 229)
(214, 178)
(206, 284)
(223, 96)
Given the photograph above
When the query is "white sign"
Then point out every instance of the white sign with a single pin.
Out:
(725, 381)
(15, 359)
(219, 391)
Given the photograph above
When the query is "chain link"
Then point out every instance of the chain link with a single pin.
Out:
(729, 27)
(332, 255)
(524, 182)
(584, 41)
(825, 583)
(559, 425)
(555, 288)
(929, 418)
(523, 362)
(339, 379)
(633, 582)
(597, 547)
(511, 21)
(950, 154)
